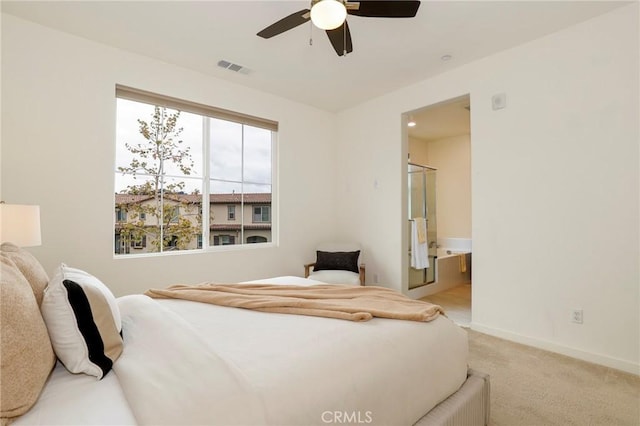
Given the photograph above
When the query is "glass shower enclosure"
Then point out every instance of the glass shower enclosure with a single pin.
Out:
(422, 204)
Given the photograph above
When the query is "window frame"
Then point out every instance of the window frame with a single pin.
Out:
(205, 244)
(262, 212)
(229, 240)
(121, 214)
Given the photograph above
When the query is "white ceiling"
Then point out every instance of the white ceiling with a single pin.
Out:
(388, 53)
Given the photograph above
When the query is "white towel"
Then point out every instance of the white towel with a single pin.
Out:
(419, 251)
(421, 225)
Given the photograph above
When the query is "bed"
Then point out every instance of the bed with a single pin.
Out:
(185, 362)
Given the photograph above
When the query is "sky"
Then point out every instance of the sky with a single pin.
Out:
(226, 151)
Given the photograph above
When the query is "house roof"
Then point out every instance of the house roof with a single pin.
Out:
(129, 198)
(236, 227)
(250, 198)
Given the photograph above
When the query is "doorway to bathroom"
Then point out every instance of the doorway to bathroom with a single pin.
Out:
(439, 141)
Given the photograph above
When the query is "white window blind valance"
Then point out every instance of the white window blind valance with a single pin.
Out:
(138, 95)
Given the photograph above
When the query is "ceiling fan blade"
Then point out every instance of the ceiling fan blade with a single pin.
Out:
(285, 24)
(384, 8)
(338, 40)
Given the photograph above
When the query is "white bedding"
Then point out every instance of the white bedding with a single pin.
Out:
(78, 399)
(280, 369)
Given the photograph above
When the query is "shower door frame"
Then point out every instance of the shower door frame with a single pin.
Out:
(425, 213)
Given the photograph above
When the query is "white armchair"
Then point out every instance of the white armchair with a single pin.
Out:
(337, 263)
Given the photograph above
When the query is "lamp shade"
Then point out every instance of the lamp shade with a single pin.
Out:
(328, 14)
(20, 225)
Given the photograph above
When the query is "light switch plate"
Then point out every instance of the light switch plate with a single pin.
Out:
(499, 101)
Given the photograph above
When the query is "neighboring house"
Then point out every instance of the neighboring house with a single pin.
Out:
(228, 217)
(233, 218)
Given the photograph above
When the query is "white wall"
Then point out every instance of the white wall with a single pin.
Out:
(418, 153)
(452, 157)
(58, 116)
(554, 187)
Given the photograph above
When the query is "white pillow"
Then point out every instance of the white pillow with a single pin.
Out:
(83, 320)
(336, 277)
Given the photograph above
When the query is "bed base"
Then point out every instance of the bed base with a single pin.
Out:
(469, 406)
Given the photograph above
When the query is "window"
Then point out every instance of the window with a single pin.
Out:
(121, 214)
(172, 242)
(173, 213)
(262, 214)
(224, 240)
(139, 243)
(179, 165)
(121, 246)
(256, 239)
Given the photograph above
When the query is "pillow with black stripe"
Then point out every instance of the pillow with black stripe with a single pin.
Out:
(83, 321)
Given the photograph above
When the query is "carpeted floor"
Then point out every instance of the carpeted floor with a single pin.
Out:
(533, 387)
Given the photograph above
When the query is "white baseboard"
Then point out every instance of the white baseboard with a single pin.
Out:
(607, 361)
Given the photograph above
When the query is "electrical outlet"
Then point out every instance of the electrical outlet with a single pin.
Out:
(576, 316)
(375, 278)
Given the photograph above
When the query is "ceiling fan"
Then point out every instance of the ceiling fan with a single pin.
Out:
(330, 15)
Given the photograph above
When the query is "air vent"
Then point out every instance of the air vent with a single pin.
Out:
(233, 67)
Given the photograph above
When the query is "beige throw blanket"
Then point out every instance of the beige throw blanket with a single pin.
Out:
(323, 300)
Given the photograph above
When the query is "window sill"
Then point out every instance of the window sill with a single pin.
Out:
(210, 249)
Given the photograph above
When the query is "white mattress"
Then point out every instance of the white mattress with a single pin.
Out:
(305, 369)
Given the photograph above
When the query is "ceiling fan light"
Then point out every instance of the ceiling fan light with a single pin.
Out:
(328, 14)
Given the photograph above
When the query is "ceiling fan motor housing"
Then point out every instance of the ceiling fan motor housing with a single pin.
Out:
(328, 14)
(339, 35)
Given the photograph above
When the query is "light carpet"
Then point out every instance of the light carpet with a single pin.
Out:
(530, 386)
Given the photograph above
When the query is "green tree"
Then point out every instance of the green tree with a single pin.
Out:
(154, 214)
